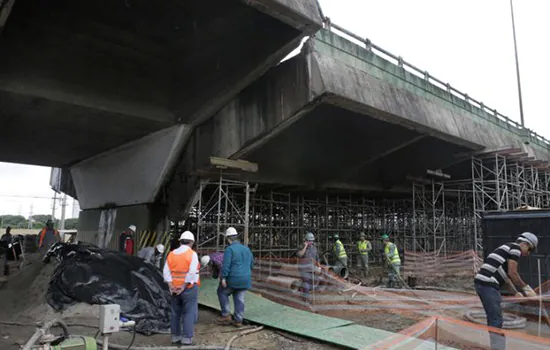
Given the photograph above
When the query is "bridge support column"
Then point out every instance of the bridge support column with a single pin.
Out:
(124, 186)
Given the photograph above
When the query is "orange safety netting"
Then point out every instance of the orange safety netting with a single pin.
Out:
(432, 265)
(447, 333)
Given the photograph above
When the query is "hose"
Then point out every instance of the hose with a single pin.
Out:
(39, 333)
(133, 338)
(253, 330)
(161, 347)
(510, 321)
(50, 324)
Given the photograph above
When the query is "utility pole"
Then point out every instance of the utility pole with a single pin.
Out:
(30, 218)
(517, 65)
(63, 206)
(53, 206)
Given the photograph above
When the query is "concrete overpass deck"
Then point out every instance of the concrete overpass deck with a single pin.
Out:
(340, 116)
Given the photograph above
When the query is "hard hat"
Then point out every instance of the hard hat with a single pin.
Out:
(205, 260)
(187, 236)
(335, 236)
(384, 237)
(362, 234)
(230, 232)
(160, 248)
(310, 236)
(529, 238)
(132, 227)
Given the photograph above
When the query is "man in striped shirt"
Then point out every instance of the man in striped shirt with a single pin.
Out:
(501, 268)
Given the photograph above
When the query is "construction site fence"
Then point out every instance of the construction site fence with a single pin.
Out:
(434, 265)
(447, 333)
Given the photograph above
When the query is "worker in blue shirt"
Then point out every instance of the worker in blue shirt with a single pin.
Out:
(236, 278)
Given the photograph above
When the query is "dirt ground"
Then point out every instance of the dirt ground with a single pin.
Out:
(22, 303)
(207, 332)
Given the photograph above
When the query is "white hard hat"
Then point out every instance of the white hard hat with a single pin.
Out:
(205, 260)
(529, 238)
(132, 227)
(187, 236)
(310, 236)
(160, 248)
(230, 232)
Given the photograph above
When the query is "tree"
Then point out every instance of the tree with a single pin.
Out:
(15, 221)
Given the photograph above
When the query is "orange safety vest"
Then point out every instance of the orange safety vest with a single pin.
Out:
(179, 267)
(43, 234)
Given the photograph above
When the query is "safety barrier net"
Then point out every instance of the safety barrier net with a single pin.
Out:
(282, 280)
(447, 333)
(433, 265)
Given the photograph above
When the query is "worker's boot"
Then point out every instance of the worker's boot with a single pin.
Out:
(224, 320)
(390, 284)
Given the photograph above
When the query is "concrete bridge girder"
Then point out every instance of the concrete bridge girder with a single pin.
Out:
(319, 116)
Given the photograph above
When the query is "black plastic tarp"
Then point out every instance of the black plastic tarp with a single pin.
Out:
(99, 276)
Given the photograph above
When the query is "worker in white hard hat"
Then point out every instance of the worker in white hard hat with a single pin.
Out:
(152, 255)
(181, 272)
(236, 278)
(215, 262)
(307, 265)
(126, 240)
(500, 268)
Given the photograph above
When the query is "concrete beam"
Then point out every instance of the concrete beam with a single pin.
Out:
(131, 174)
(5, 10)
(57, 91)
(381, 155)
(304, 15)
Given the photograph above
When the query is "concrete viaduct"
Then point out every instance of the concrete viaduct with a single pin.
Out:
(131, 99)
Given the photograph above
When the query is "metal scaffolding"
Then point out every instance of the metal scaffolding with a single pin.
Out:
(437, 217)
(506, 180)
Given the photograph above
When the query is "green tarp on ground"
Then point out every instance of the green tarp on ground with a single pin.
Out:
(328, 329)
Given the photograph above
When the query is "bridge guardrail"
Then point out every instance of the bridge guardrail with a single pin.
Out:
(400, 62)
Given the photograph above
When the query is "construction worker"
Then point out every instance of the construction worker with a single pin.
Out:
(393, 261)
(236, 278)
(48, 236)
(5, 245)
(126, 240)
(363, 247)
(214, 261)
(501, 268)
(7, 237)
(181, 272)
(339, 252)
(308, 262)
(152, 255)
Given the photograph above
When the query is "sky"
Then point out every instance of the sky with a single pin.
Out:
(467, 43)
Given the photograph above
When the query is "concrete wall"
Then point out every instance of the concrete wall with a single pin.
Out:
(145, 217)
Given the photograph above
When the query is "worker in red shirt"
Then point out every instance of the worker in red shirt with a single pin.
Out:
(126, 240)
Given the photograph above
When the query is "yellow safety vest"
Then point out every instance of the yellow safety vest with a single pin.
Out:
(339, 245)
(363, 247)
(395, 258)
